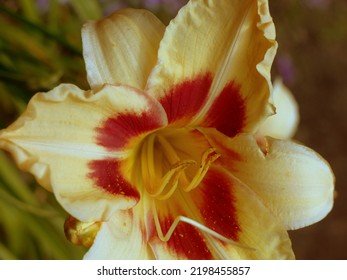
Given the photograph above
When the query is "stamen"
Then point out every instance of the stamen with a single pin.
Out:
(156, 180)
(193, 223)
(171, 179)
(207, 159)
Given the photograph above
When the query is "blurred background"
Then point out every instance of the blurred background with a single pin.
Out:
(40, 47)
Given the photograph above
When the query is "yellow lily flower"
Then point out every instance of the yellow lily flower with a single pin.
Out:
(162, 158)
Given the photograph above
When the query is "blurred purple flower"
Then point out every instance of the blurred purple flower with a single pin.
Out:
(109, 8)
(172, 6)
(286, 68)
(319, 4)
(151, 3)
(42, 5)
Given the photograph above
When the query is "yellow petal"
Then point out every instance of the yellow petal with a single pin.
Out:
(72, 141)
(284, 123)
(257, 232)
(120, 238)
(220, 219)
(292, 180)
(122, 48)
(222, 51)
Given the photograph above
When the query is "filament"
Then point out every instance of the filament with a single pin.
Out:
(193, 223)
(207, 159)
(171, 179)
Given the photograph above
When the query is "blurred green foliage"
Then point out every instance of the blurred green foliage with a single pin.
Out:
(40, 47)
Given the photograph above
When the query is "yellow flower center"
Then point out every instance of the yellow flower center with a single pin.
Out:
(171, 158)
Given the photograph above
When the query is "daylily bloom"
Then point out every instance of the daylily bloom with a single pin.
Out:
(164, 157)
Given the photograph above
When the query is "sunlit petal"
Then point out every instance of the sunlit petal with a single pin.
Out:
(121, 238)
(222, 219)
(60, 140)
(221, 82)
(122, 48)
(232, 209)
(292, 180)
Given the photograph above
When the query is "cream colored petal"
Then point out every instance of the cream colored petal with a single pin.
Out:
(121, 48)
(120, 238)
(293, 181)
(64, 140)
(218, 54)
(221, 219)
(259, 235)
(284, 123)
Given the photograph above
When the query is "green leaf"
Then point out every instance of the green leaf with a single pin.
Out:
(5, 253)
(12, 179)
(40, 29)
(30, 10)
(87, 10)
